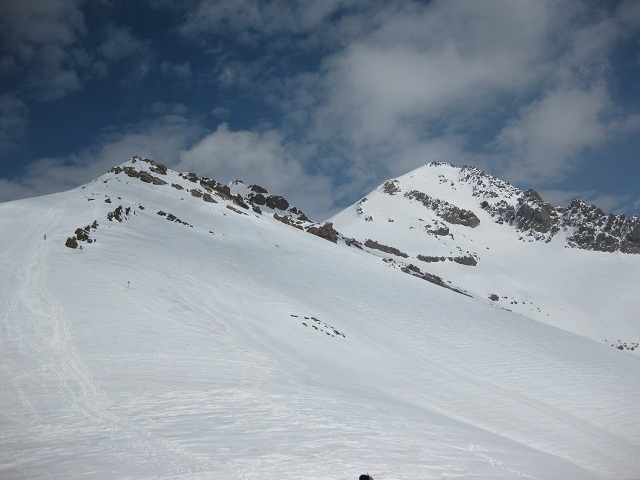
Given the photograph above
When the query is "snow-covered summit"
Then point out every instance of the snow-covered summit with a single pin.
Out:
(568, 267)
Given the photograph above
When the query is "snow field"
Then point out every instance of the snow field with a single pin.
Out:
(203, 367)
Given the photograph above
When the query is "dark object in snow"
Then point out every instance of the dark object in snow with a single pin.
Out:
(365, 476)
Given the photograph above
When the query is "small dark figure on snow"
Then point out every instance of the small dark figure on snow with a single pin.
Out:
(365, 476)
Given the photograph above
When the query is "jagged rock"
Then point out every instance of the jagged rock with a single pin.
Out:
(148, 178)
(391, 187)
(430, 258)
(117, 214)
(438, 232)
(536, 217)
(71, 243)
(82, 235)
(276, 202)
(258, 189)
(131, 172)
(158, 168)
(238, 200)
(257, 198)
(384, 248)
(208, 198)
(196, 193)
(501, 210)
(466, 260)
(177, 186)
(595, 230)
(493, 297)
(192, 177)
(352, 242)
(223, 191)
(326, 231)
(117, 170)
(287, 220)
(445, 210)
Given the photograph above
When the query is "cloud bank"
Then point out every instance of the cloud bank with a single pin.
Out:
(334, 97)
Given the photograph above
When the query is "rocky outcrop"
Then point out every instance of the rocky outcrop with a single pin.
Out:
(592, 229)
(287, 220)
(326, 231)
(384, 248)
(445, 210)
(276, 202)
(391, 187)
(469, 260)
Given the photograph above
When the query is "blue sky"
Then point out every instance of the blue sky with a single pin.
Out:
(321, 101)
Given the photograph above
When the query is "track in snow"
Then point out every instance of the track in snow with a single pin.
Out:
(43, 371)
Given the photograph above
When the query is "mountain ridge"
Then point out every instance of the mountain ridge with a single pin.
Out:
(192, 340)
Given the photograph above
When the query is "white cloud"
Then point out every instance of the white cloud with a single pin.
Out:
(263, 158)
(544, 142)
(161, 139)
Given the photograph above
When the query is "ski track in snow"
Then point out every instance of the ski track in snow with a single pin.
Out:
(36, 326)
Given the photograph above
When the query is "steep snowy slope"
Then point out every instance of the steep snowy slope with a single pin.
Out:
(508, 247)
(230, 345)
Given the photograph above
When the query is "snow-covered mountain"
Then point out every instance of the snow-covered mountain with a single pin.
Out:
(574, 268)
(155, 324)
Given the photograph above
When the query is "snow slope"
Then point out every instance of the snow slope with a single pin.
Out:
(239, 347)
(586, 292)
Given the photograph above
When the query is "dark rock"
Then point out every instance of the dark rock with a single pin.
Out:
(466, 260)
(158, 168)
(287, 220)
(326, 231)
(445, 210)
(352, 242)
(384, 248)
(208, 198)
(148, 178)
(257, 198)
(391, 187)
(131, 172)
(276, 202)
(177, 186)
(192, 177)
(493, 297)
(258, 189)
(71, 243)
(238, 200)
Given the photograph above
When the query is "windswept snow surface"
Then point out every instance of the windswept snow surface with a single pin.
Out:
(242, 348)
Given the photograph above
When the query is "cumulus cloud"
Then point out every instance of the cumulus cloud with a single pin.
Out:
(258, 157)
(531, 75)
(161, 138)
(43, 39)
(550, 133)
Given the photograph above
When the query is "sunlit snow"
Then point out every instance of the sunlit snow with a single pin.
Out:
(242, 348)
